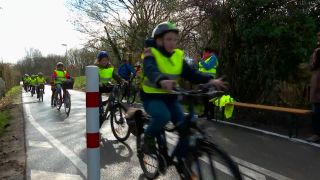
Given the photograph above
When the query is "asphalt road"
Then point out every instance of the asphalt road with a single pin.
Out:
(56, 147)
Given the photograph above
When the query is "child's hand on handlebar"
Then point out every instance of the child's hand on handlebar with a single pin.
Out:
(168, 84)
(219, 83)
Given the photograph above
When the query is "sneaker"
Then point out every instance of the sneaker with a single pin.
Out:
(313, 138)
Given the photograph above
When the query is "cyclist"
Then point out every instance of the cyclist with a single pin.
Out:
(25, 81)
(60, 75)
(33, 83)
(125, 71)
(163, 64)
(106, 74)
(40, 82)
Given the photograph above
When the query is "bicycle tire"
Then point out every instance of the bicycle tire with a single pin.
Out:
(41, 96)
(121, 121)
(141, 156)
(58, 101)
(212, 152)
(67, 103)
(131, 95)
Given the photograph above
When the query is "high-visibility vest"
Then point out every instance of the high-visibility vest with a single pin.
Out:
(33, 81)
(105, 74)
(171, 67)
(211, 71)
(61, 76)
(41, 80)
(224, 101)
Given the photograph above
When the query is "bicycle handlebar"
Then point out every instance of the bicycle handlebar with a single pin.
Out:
(204, 90)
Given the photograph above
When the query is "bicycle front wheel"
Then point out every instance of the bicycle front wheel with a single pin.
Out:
(119, 125)
(41, 95)
(58, 101)
(67, 103)
(211, 163)
(131, 97)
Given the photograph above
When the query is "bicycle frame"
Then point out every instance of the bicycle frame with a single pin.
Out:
(188, 129)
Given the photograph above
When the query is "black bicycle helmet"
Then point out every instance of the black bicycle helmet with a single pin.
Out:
(163, 28)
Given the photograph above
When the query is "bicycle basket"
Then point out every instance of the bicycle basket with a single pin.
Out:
(67, 84)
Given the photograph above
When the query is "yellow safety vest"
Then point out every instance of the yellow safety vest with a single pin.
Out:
(105, 75)
(171, 67)
(224, 101)
(41, 80)
(61, 76)
(33, 81)
(28, 79)
(211, 71)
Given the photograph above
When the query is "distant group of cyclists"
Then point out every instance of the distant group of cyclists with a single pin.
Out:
(34, 83)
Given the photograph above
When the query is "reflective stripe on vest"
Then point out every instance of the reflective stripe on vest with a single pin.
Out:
(171, 67)
(61, 76)
(105, 75)
(211, 71)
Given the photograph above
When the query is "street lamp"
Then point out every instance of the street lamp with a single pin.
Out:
(66, 45)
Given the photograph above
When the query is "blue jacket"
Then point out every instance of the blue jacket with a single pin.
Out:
(125, 71)
(210, 64)
(152, 72)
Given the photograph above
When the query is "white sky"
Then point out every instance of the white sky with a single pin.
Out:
(39, 24)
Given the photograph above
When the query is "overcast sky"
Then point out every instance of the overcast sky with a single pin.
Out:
(40, 24)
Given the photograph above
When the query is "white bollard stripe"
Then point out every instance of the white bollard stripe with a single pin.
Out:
(92, 83)
(92, 120)
(93, 163)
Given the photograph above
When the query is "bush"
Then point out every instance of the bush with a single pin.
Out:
(80, 83)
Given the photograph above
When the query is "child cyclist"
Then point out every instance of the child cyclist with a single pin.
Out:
(40, 83)
(59, 76)
(163, 64)
(106, 74)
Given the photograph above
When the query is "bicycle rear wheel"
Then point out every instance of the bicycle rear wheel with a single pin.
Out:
(211, 162)
(67, 103)
(119, 125)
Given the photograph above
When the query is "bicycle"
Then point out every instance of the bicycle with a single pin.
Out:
(130, 90)
(115, 110)
(40, 92)
(66, 101)
(203, 158)
(33, 89)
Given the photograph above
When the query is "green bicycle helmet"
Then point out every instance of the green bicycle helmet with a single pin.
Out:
(164, 28)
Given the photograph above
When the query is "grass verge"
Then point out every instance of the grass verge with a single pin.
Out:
(4, 103)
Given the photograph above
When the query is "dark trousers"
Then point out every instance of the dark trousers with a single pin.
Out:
(316, 118)
(208, 107)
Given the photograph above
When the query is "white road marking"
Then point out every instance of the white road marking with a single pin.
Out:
(260, 169)
(62, 148)
(40, 144)
(270, 133)
(44, 175)
(258, 172)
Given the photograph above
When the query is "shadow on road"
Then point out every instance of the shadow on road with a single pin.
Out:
(113, 151)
